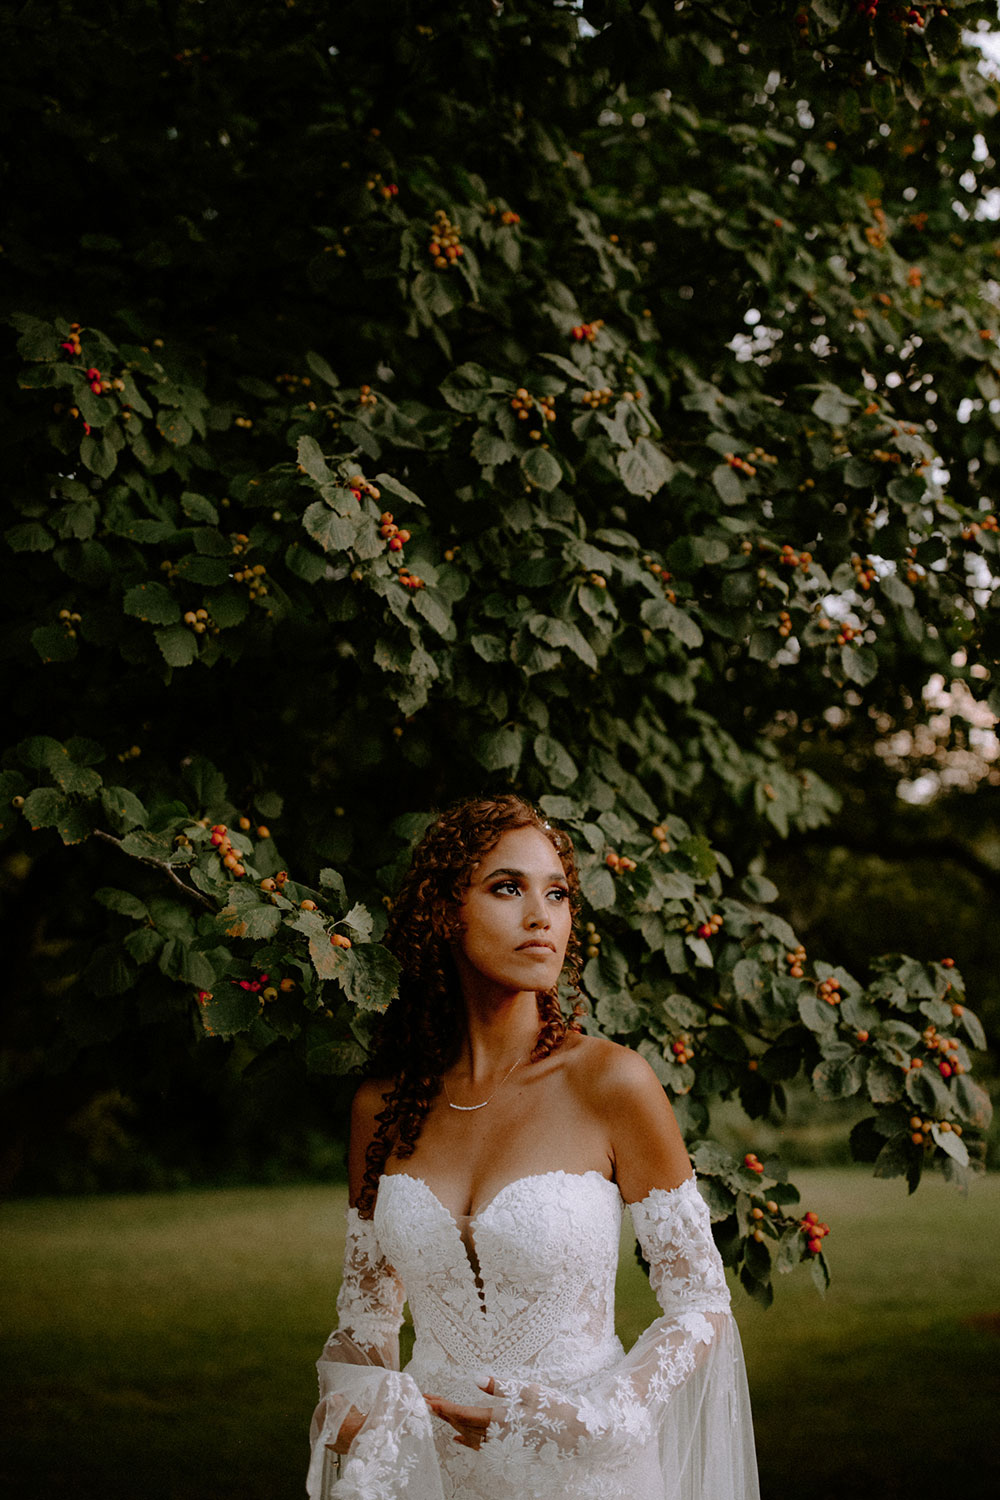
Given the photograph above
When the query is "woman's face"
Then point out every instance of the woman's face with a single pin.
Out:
(515, 915)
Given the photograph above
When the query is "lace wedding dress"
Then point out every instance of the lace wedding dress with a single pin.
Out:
(575, 1418)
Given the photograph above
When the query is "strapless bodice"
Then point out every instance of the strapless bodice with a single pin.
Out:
(542, 1304)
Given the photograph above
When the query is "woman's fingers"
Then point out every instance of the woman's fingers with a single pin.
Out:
(470, 1422)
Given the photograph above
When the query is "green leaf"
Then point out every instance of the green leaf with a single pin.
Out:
(333, 533)
(45, 806)
(368, 975)
(30, 537)
(178, 645)
(643, 468)
(490, 449)
(123, 902)
(198, 508)
(310, 456)
(660, 614)
(834, 406)
(727, 485)
(319, 367)
(53, 643)
(500, 750)
(860, 664)
(556, 761)
(598, 888)
(541, 468)
(152, 603)
(123, 808)
(109, 971)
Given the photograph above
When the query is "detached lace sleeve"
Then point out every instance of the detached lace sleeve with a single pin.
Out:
(359, 1372)
(680, 1393)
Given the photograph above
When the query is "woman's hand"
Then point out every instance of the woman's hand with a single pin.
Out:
(470, 1422)
(349, 1429)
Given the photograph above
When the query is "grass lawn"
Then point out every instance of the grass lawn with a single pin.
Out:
(162, 1346)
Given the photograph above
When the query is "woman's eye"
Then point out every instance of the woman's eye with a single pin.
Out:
(506, 887)
(560, 893)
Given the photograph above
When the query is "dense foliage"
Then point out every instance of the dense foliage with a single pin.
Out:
(416, 398)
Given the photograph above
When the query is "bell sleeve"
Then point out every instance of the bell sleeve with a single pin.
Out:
(393, 1451)
(671, 1420)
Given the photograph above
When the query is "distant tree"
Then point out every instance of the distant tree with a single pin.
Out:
(417, 398)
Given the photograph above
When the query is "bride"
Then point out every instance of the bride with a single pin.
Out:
(491, 1154)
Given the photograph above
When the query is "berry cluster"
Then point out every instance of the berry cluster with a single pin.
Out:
(662, 838)
(815, 1232)
(254, 986)
(784, 624)
(132, 753)
(988, 523)
(410, 580)
(795, 960)
(386, 190)
(444, 247)
(254, 578)
(367, 397)
(885, 456)
(523, 403)
(262, 832)
(846, 634)
(275, 884)
(682, 1048)
(225, 850)
(660, 572)
(753, 1163)
(593, 941)
(72, 344)
(864, 571)
(594, 399)
(292, 382)
(943, 1045)
(742, 465)
(877, 234)
(586, 332)
(711, 927)
(69, 619)
(510, 217)
(921, 1130)
(829, 990)
(338, 940)
(789, 558)
(597, 581)
(619, 863)
(245, 422)
(358, 486)
(391, 533)
(199, 620)
(757, 1214)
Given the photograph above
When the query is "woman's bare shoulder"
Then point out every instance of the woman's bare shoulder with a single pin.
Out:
(369, 1102)
(605, 1070)
(621, 1089)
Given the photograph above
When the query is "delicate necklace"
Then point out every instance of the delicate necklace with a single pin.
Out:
(468, 1108)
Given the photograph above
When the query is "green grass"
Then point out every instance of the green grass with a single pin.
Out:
(163, 1346)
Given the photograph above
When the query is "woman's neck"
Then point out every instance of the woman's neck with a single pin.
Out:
(498, 1032)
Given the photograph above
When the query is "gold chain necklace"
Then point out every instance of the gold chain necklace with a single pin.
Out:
(467, 1109)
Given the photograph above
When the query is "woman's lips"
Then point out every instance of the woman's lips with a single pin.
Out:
(537, 946)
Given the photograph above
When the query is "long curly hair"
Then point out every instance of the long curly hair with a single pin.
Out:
(422, 1033)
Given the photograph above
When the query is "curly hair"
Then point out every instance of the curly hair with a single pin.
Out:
(421, 1035)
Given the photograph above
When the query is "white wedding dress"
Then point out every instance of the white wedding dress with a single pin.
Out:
(575, 1418)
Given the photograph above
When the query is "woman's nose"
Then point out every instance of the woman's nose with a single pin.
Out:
(536, 915)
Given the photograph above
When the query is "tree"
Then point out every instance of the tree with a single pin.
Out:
(420, 398)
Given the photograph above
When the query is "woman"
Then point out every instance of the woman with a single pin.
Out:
(490, 1158)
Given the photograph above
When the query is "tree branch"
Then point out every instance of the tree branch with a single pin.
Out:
(159, 864)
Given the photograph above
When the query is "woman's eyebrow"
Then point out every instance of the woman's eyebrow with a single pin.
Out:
(520, 875)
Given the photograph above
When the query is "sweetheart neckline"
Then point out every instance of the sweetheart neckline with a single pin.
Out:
(471, 1219)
